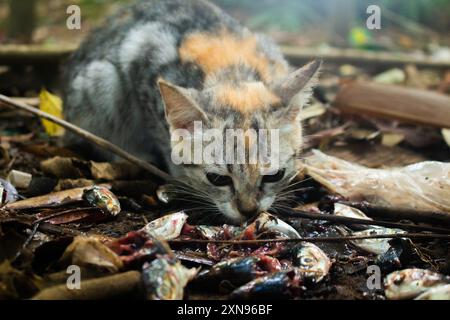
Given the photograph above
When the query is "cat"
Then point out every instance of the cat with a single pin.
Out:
(160, 65)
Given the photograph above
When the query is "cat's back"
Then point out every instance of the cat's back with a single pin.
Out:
(112, 77)
(110, 82)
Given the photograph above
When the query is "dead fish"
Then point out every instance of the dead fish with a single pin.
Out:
(343, 210)
(376, 246)
(277, 285)
(238, 271)
(312, 261)
(214, 232)
(208, 232)
(162, 193)
(437, 293)
(102, 198)
(168, 227)
(409, 283)
(267, 223)
(8, 193)
(137, 247)
(165, 278)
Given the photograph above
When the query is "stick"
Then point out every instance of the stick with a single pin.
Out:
(61, 213)
(57, 230)
(316, 239)
(100, 142)
(125, 285)
(27, 242)
(346, 220)
(300, 55)
(38, 54)
(400, 213)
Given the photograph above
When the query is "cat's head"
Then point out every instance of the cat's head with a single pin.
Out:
(211, 152)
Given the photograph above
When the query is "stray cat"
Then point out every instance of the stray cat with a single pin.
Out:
(160, 65)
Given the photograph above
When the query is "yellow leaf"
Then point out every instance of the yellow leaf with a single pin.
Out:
(53, 105)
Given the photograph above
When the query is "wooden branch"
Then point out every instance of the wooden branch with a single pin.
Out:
(315, 239)
(395, 102)
(100, 142)
(430, 217)
(352, 221)
(298, 56)
(36, 54)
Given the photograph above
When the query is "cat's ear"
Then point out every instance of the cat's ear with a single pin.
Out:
(296, 88)
(180, 106)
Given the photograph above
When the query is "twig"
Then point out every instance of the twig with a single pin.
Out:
(346, 220)
(316, 239)
(39, 54)
(300, 55)
(100, 142)
(61, 213)
(27, 241)
(57, 230)
(400, 213)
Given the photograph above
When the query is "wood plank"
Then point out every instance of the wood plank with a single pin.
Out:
(24, 54)
(395, 102)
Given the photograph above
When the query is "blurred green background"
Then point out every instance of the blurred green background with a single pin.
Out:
(406, 24)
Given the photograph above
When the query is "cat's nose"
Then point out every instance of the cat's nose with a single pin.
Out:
(249, 212)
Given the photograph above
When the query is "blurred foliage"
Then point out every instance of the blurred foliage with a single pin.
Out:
(288, 15)
(336, 18)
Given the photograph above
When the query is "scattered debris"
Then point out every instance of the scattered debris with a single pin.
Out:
(19, 179)
(421, 186)
(8, 194)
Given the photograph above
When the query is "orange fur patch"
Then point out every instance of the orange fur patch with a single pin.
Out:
(246, 97)
(215, 52)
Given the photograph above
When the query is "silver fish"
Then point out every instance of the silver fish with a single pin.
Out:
(312, 261)
(165, 278)
(409, 283)
(376, 246)
(168, 227)
(266, 223)
(341, 210)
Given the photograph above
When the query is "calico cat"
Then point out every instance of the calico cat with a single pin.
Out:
(160, 65)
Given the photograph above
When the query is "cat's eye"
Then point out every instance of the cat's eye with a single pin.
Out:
(277, 176)
(219, 180)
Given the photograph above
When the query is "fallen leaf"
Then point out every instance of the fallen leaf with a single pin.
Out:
(53, 105)
(90, 253)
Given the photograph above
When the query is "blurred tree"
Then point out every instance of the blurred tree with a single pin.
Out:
(21, 20)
